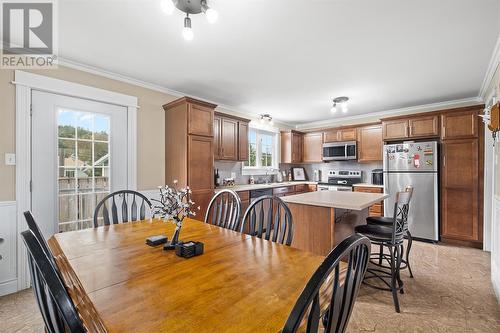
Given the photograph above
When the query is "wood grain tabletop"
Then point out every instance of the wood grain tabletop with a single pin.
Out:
(240, 283)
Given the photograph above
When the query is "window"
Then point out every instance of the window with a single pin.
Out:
(262, 150)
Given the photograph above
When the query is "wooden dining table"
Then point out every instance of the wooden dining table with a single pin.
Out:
(120, 284)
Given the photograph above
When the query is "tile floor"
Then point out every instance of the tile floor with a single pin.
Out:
(451, 292)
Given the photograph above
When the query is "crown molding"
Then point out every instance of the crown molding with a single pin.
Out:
(490, 72)
(155, 87)
(393, 112)
(280, 123)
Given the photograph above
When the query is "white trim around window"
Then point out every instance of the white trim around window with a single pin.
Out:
(276, 152)
(25, 82)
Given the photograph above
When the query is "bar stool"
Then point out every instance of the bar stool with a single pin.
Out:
(387, 222)
(392, 238)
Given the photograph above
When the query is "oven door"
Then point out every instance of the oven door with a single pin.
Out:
(334, 151)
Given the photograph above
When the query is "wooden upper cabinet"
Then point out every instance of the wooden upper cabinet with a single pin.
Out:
(229, 139)
(312, 150)
(459, 125)
(424, 126)
(242, 141)
(340, 134)
(370, 143)
(217, 137)
(291, 147)
(419, 126)
(331, 136)
(347, 134)
(395, 129)
(200, 120)
(297, 144)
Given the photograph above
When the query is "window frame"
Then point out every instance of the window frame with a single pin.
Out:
(258, 169)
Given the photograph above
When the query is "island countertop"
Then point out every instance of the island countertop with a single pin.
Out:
(336, 199)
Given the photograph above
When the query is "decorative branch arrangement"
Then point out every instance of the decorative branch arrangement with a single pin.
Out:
(174, 205)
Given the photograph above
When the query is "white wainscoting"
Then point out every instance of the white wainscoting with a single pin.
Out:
(151, 194)
(495, 246)
(8, 248)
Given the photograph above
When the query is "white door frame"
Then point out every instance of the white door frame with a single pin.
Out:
(26, 82)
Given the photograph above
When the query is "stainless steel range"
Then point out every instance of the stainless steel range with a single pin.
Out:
(341, 180)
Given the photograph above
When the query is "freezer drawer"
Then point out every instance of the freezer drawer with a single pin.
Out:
(423, 215)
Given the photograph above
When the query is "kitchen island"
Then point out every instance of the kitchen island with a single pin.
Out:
(323, 219)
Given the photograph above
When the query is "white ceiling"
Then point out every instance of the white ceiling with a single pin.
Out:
(290, 57)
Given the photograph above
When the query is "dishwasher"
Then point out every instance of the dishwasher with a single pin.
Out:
(254, 194)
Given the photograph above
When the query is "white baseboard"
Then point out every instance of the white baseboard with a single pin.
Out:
(495, 247)
(8, 248)
(8, 287)
(495, 280)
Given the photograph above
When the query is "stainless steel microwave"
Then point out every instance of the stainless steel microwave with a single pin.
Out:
(339, 151)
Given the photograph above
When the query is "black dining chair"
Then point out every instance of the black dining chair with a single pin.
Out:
(315, 312)
(56, 307)
(125, 205)
(387, 222)
(392, 239)
(33, 226)
(269, 217)
(224, 210)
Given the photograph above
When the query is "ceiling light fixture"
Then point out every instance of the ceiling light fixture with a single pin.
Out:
(189, 7)
(266, 119)
(340, 102)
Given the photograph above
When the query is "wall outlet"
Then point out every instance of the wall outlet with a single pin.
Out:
(10, 159)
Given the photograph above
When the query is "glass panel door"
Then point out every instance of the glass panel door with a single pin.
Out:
(83, 166)
(79, 155)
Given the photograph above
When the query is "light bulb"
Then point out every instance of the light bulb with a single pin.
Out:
(167, 6)
(212, 15)
(333, 109)
(188, 34)
(343, 106)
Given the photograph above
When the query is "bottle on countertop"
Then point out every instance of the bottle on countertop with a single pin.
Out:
(289, 176)
(252, 180)
(217, 177)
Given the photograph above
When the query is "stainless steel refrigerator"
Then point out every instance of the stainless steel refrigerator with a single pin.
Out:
(416, 164)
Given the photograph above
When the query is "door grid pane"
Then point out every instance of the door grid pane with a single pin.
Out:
(83, 166)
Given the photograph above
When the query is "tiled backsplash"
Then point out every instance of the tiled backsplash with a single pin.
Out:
(226, 168)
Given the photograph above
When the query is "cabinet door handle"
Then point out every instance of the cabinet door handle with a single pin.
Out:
(406, 131)
(411, 130)
(444, 160)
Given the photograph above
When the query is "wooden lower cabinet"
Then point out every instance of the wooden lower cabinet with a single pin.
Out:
(202, 199)
(378, 208)
(460, 207)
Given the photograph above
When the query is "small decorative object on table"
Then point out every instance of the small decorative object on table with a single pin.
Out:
(189, 249)
(174, 205)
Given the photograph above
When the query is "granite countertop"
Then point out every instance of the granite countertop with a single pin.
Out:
(336, 199)
(249, 187)
(368, 185)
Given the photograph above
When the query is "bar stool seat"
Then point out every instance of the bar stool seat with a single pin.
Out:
(375, 232)
(380, 220)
